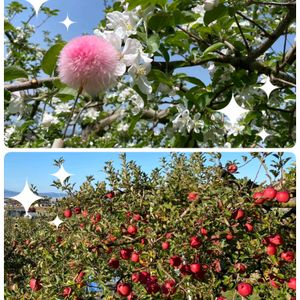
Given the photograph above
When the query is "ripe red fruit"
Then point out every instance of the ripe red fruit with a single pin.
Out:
(244, 289)
(169, 235)
(274, 284)
(220, 298)
(185, 270)
(283, 196)
(241, 268)
(292, 283)
(203, 231)
(84, 213)
(125, 253)
(137, 217)
(96, 218)
(195, 242)
(168, 288)
(175, 261)
(144, 277)
(35, 284)
(259, 198)
(165, 245)
(276, 239)
(124, 289)
(271, 250)
(77, 210)
(249, 227)
(229, 237)
(152, 287)
(238, 214)
(232, 168)
(288, 256)
(195, 268)
(192, 196)
(269, 193)
(114, 263)
(79, 277)
(131, 296)
(135, 277)
(135, 257)
(67, 292)
(110, 195)
(68, 213)
(132, 230)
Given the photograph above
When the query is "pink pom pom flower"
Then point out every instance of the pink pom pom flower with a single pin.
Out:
(88, 62)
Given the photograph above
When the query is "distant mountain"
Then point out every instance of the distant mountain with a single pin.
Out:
(8, 194)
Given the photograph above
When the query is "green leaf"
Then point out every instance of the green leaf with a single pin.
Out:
(213, 48)
(50, 58)
(14, 72)
(8, 26)
(215, 14)
(159, 76)
(160, 21)
(145, 3)
(153, 43)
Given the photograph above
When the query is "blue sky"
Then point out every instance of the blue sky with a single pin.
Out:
(36, 167)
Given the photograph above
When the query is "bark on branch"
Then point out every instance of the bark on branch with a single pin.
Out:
(27, 85)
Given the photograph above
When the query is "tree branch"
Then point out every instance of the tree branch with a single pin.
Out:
(291, 15)
(289, 57)
(31, 84)
(293, 3)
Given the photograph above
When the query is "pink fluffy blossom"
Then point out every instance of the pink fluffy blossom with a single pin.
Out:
(88, 62)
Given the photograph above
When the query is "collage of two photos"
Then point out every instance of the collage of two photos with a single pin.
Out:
(92, 91)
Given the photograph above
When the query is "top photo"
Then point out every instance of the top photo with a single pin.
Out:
(149, 73)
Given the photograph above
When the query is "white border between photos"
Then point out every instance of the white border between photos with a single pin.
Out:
(4, 150)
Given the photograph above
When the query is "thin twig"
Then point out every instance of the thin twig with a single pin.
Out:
(242, 34)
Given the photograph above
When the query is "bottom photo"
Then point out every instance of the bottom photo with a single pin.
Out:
(150, 225)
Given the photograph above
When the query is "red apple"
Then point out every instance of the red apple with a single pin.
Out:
(292, 283)
(195, 268)
(271, 250)
(192, 196)
(144, 277)
(68, 213)
(195, 242)
(175, 261)
(35, 284)
(125, 253)
(79, 277)
(135, 257)
(135, 277)
(165, 245)
(124, 289)
(238, 214)
(85, 213)
(269, 193)
(67, 292)
(283, 196)
(241, 268)
(114, 263)
(96, 218)
(137, 217)
(232, 168)
(259, 198)
(169, 235)
(132, 230)
(229, 237)
(185, 270)
(276, 239)
(288, 256)
(244, 289)
(220, 298)
(249, 227)
(274, 284)
(110, 195)
(203, 231)
(169, 287)
(77, 210)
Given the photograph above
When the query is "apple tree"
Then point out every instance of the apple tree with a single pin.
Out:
(188, 230)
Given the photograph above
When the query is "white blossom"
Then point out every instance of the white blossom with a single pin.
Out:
(123, 127)
(49, 120)
(233, 129)
(199, 9)
(210, 4)
(139, 76)
(62, 108)
(8, 133)
(90, 113)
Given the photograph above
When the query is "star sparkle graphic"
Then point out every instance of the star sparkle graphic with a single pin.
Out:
(37, 4)
(233, 111)
(62, 174)
(263, 134)
(26, 197)
(268, 87)
(56, 222)
(67, 22)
